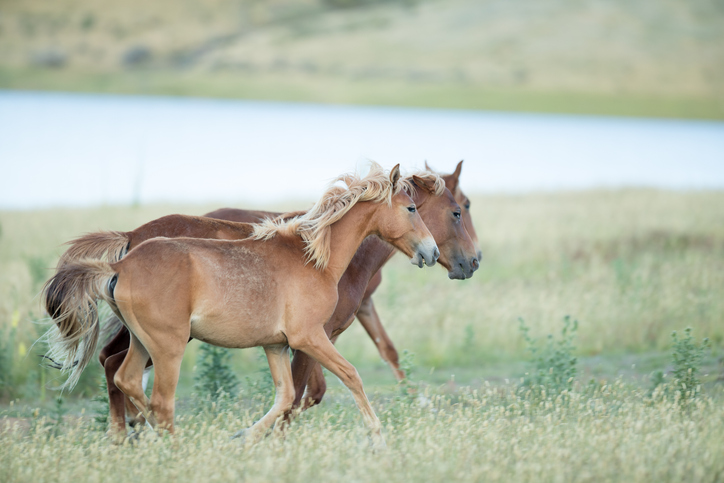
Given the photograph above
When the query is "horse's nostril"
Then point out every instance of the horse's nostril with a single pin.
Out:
(475, 264)
(436, 253)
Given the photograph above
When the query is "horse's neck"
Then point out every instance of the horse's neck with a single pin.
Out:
(346, 236)
(368, 260)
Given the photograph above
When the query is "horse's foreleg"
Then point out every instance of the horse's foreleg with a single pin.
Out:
(281, 371)
(369, 319)
(318, 346)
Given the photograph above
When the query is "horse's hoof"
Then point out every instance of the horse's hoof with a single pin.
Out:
(134, 437)
(378, 443)
(115, 437)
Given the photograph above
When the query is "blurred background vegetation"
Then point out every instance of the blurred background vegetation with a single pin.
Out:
(626, 57)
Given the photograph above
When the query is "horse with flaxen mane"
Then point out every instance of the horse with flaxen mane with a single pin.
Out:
(437, 207)
(275, 289)
(307, 373)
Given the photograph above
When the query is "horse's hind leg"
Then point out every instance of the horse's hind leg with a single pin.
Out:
(316, 386)
(168, 367)
(321, 348)
(116, 398)
(304, 373)
(118, 343)
(369, 319)
(281, 371)
(129, 377)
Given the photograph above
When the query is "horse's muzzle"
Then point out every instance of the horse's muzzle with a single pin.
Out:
(463, 269)
(427, 253)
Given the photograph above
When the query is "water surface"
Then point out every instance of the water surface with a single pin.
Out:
(76, 149)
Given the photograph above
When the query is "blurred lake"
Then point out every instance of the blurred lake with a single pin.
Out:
(61, 149)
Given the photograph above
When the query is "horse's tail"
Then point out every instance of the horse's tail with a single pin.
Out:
(110, 246)
(111, 327)
(76, 286)
(102, 245)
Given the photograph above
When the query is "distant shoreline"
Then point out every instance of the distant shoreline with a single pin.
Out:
(339, 91)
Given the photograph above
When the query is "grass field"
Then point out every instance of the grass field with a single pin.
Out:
(609, 433)
(630, 265)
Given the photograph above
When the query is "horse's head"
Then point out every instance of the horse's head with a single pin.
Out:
(444, 218)
(400, 224)
(452, 182)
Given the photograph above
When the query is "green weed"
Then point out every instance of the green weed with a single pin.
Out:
(215, 382)
(8, 388)
(101, 408)
(553, 365)
(407, 387)
(687, 357)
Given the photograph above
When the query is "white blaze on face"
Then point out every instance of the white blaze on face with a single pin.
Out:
(427, 252)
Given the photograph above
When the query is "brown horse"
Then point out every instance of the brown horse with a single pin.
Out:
(438, 211)
(307, 373)
(275, 289)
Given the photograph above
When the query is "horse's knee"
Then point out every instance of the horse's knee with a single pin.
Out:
(392, 356)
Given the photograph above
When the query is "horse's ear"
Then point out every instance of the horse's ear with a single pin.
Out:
(428, 168)
(395, 175)
(423, 183)
(459, 168)
(455, 178)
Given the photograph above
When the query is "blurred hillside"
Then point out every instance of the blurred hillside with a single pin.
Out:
(640, 57)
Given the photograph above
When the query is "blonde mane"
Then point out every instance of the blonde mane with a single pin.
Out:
(314, 226)
(430, 178)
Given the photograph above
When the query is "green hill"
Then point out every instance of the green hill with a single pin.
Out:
(640, 57)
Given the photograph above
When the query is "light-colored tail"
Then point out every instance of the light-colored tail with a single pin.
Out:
(110, 327)
(75, 289)
(110, 246)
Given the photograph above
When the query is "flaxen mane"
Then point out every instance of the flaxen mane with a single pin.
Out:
(438, 184)
(314, 226)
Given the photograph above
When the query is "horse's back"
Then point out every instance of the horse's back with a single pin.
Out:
(241, 216)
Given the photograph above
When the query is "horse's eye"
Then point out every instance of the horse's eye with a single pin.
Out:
(411, 209)
(456, 215)
(467, 205)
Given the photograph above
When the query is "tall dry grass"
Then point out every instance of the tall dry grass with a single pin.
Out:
(608, 433)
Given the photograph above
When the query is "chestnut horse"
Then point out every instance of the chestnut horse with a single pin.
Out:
(307, 373)
(365, 311)
(440, 214)
(276, 289)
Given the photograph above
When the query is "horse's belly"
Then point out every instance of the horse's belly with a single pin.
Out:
(237, 303)
(238, 329)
